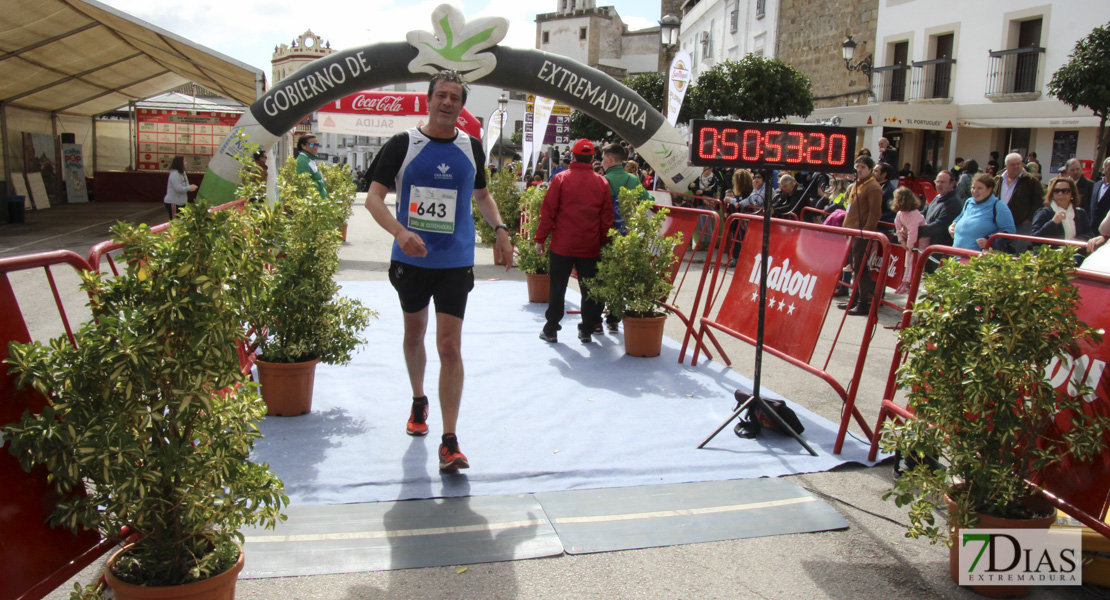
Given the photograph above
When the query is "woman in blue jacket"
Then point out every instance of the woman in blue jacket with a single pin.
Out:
(983, 216)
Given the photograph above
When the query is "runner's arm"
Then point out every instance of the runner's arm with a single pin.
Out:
(488, 207)
(410, 243)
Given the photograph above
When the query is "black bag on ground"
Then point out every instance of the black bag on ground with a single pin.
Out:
(755, 418)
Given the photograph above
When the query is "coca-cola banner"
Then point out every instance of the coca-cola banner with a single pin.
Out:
(379, 113)
(380, 103)
(803, 267)
(471, 48)
(897, 267)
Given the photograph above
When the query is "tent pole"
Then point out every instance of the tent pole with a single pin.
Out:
(7, 156)
(59, 168)
(92, 141)
(131, 135)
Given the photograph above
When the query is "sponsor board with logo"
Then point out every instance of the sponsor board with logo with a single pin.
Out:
(803, 267)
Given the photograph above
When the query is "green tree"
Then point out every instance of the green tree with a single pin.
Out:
(652, 87)
(1082, 82)
(751, 89)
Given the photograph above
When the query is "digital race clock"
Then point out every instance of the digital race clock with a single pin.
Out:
(740, 144)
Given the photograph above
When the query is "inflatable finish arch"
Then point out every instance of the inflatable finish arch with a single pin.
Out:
(470, 48)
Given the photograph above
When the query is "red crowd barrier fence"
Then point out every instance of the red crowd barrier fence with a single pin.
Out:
(805, 262)
(1081, 490)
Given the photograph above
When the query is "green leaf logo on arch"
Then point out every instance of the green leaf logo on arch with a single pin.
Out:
(457, 44)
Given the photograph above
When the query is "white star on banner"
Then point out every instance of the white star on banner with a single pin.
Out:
(790, 311)
(782, 303)
(755, 296)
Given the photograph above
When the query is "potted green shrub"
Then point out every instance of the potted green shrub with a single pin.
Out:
(503, 187)
(303, 318)
(532, 264)
(340, 183)
(150, 423)
(983, 335)
(634, 273)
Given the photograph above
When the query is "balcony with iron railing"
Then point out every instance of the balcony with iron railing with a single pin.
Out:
(931, 81)
(1015, 75)
(889, 83)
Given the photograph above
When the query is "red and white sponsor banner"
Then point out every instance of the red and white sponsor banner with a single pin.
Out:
(1085, 485)
(895, 270)
(803, 267)
(382, 114)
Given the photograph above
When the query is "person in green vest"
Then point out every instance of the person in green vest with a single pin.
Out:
(307, 147)
(613, 157)
(612, 161)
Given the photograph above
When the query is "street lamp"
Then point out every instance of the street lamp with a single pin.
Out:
(668, 29)
(849, 50)
(502, 103)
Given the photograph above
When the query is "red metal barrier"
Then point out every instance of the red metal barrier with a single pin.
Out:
(34, 557)
(805, 263)
(1081, 490)
(686, 221)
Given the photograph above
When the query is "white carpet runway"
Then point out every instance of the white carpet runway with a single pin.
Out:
(536, 417)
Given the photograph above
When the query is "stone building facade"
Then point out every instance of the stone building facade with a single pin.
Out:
(596, 36)
(810, 34)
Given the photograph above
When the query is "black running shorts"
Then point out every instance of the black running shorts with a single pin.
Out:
(416, 286)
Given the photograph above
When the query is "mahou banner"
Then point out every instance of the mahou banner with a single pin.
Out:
(678, 81)
(803, 267)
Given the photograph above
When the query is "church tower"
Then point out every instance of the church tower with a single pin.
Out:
(287, 59)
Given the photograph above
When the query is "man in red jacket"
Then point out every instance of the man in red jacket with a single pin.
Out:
(577, 212)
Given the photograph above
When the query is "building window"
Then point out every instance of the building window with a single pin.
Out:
(582, 33)
(1016, 73)
(707, 44)
(546, 37)
(760, 6)
(734, 20)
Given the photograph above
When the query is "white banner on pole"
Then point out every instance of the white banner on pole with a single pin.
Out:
(543, 108)
(493, 131)
(678, 82)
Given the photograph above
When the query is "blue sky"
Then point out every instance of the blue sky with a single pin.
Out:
(248, 30)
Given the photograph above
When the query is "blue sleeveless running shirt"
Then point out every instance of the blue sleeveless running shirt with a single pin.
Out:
(434, 187)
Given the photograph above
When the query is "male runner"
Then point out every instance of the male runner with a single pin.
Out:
(435, 169)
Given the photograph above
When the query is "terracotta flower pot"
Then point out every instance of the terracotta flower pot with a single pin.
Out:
(992, 522)
(539, 287)
(643, 336)
(287, 387)
(343, 231)
(218, 587)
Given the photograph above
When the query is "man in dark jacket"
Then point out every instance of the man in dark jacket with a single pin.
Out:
(1022, 193)
(942, 211)
(1074, 171)
(577, 213)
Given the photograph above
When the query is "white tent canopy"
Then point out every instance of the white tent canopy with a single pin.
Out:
(81, 58)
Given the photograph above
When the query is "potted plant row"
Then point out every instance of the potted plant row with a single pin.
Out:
(634, 273)
(531, 263)
(149, 421)
(988, 419)
(502, 186)
(340, 183)
(301, 315)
